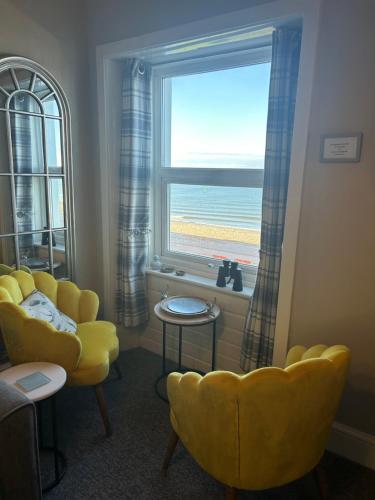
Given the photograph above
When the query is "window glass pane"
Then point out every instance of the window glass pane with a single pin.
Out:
(51, 107)
(53, 145)
(27, 143)
(7, 251)
(24, 102)
(59, 254)
(6, 81)
(4, 156)
(57, 202)
(6, 218)
(41, 89)
(218, 119)
(218, 222)
(24, 77)
(30, 203)
(34, 251)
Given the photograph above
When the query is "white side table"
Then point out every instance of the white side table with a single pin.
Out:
(166, 318)
(57, 374)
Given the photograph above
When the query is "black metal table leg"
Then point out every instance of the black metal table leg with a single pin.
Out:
(54, 438)
(179, 347)
(59, 457)
(165, 372)
(213, 346)
(40, 424)
(164, 346)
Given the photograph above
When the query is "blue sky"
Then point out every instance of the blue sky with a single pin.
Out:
(222, 112)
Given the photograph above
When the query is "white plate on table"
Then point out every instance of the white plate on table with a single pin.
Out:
(185, 306)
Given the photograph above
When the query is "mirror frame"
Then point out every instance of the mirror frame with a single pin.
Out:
(13, 63)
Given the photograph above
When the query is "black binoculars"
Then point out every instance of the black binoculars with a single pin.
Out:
(227, 272)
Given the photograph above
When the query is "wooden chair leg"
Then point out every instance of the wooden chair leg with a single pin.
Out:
(118, 369)
(172, 443)
(321, 481)
(230, 493)
(103, 409)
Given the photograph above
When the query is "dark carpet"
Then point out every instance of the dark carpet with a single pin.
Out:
(127, 465)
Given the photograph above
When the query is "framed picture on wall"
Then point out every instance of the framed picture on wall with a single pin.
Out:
(341, 148)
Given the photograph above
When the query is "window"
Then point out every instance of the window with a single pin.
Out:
(35, 191)
(210, 121)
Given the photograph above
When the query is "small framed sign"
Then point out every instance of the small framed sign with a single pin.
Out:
(341, 148)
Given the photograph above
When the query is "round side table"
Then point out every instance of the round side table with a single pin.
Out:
(57, 376)
(169, 319)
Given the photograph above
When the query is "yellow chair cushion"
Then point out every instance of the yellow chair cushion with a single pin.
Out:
(85, 356)
(100, 348)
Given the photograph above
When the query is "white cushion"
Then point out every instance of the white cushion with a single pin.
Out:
(39, 306)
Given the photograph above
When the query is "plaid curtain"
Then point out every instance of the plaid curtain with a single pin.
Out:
(258, 339)
(134, 206)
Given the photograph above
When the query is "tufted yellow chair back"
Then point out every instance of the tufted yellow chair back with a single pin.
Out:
(263, 429)
(4, 269)
(24, 336)
(80, 305)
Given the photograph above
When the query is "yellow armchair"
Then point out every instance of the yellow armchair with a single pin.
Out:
(263, 429)
(86, 356)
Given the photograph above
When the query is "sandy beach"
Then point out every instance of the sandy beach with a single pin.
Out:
(240, 235)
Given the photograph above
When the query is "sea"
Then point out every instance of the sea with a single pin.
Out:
(238, 207)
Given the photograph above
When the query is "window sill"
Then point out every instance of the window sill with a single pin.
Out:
(203, 282)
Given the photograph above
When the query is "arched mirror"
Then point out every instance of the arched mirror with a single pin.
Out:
(36, 211)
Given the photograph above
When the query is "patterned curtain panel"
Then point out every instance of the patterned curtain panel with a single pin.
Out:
(258, 340)
(134, 209)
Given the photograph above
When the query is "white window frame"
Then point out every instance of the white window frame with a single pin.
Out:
(164, 174)
(109, 72)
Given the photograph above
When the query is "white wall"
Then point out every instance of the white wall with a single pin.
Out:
(334, 297)
(334, 283)
(112, 20)
(52, 34)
